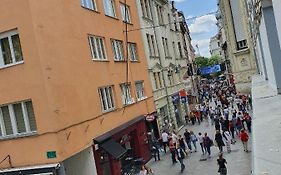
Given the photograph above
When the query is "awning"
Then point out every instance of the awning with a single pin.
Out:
(113, 148)
(47, 169)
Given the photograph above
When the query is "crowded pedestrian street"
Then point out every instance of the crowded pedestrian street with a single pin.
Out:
(238, 161)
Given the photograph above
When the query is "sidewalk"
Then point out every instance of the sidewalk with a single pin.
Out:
(239, 162)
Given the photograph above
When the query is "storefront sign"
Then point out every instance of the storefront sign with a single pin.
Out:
(51, 154)
(150, 118)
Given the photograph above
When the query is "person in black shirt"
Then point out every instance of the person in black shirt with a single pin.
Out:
(221, 163)
(188, 139)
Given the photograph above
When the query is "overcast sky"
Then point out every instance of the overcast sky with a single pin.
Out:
(201, 28)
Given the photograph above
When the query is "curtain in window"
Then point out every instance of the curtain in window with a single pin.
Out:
(31, 116)
(19, 117)
(17, 47)
(7, 120)
(6, 52)
(109, 7)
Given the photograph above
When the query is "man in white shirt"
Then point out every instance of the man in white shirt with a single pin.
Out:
(165, 138)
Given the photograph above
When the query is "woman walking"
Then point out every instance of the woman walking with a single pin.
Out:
(221, 163)
(207, 143)
(193, 140)
(244, 138)
(201, 142)
(219, 140)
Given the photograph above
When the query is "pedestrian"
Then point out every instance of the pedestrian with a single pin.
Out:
(201, 142)
(172, 150)
(193, 140)
(244, 138)
(219, 140)
(222, 167)
(207, 143)
(180, 156)
(174, 137)
(188, 139)
(232, 130)
(182, 143)
(239, 124)
(155, 150)
(165, 142)
(143, 170)
(248, 120)
(228, 140)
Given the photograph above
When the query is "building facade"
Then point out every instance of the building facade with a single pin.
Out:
(215, 46)
(265, 21)
(76, 91)
(239, 46)
(167, 61)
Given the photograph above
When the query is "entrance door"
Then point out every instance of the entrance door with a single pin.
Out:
(105, 163)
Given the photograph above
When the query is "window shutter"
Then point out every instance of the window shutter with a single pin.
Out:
(7, 120)
(19, 117)
(31, 116)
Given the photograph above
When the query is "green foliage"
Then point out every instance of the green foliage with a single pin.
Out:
(204, 61)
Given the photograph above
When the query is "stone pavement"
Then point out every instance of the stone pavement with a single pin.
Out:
(238, 161)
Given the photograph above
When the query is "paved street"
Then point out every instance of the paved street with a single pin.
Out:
(239, 162)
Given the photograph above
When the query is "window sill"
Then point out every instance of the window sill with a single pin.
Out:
(168, 57)
(154, 57)
(10, 137)
(10, 65)
(112, 17)
(120, 61)
(108, 111)
(91, 10)
(129, 23)
(142, 98)
(135, 61)
(97, 60)
(147, 19)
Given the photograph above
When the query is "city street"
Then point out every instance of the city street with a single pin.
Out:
(238, 161)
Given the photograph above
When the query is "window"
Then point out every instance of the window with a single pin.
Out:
(10, 49)
(140, 90)
(89, 4)
(170, 22)
(117, 47)
(97, 48)
(157, 80)
(159, 14)
(126, 93)
(17, 119)
(180, 49)
(151, 45)
(106, 97)
(174, 49)
(165, 46)
(132, 48)
(125, 11)
(171, 77)
(242, 44)
(145, 6)
(109, 8)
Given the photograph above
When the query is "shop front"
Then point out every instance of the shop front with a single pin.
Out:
(152, 125)
(123, 149)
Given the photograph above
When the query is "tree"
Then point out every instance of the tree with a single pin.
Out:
(215, 59)
(202, 62)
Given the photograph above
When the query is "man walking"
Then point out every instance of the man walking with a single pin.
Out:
(180, 156)
(172, 150)
(165, 142)
(187, 139)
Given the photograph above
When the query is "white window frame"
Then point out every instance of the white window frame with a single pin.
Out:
(9, 35)
(98, 44)
(118, 50)
(106, 93)
(14, 122)
(126, 93)
(125, 12)
(133, 51)
(140, 94)
(89, 4)
(111, 4)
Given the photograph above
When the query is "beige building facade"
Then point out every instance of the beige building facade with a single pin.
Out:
(239, 46)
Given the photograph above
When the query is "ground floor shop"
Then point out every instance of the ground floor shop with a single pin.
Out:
(124, 148)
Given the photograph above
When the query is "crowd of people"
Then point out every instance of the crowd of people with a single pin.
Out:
(226, 110)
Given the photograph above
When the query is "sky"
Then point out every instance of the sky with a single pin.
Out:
(201, 28)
